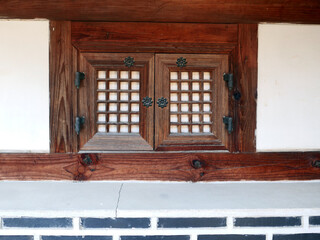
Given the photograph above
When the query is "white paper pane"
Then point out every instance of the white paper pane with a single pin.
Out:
(184, 107)
(113, 128)
(123, 117)
(135, 96)
(206, 86)
(195, 75)
(173, 118)
(174, 97)
(173, 129)
(184, 129)
(124, 74)
(135, 75)
(184, 118)
(184, 97)
(135, 86)
(101, 117)
(135, 118)
(113, 107)
(135, 128)
(101, 107)
(206, 75)
(113, 85)
(124, 107)
(173, 107)
(195, 129)
(102, 96)
(135, 107)
(124, 96)
(102, 74)
(184, 75)
(101, 85)
(101, 128)
(195, 86)
(184, 86)
(123, 128)
(113, 74)
(113, 96)
(173, 75)
(124, 85)
(174, 86)
(113, 118)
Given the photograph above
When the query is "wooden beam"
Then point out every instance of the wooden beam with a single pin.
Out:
(197, 11)
(161, 166)
(62, 102)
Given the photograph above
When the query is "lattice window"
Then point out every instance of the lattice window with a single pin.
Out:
(191, 102)
(118, 101)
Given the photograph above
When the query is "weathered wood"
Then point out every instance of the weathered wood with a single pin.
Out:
(62, 99)
(204, 11)
(161, 166)
(246, 80)
(154, 37)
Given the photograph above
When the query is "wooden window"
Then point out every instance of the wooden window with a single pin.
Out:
(198, 100)
(110, 98)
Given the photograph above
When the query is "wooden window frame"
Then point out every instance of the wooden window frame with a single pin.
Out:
(69, 40)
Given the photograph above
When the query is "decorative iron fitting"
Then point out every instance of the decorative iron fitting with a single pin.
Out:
(162, 102)
(197, 164)
(228, 122)
(79, 77)
(78, 124)
(86, 159)
(181, 62)
(147, 101)
(129, 61)
(228, 78)
(316, 164)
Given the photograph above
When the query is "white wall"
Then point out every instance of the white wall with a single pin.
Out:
(24, 86)
(288, 115)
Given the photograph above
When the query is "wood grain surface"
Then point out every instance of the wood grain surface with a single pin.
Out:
(63, 96)
(161, 166)
(196, 11)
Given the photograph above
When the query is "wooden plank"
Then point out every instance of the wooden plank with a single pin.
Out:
(62, 101)
(205, 11)
(154, 37)
(246, 81)
(161, 166)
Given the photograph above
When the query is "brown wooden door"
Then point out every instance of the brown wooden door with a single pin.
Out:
(197, 101)
(111, 101)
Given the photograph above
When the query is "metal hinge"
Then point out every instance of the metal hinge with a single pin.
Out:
(228, 78)
(78, 124)
(79, 77)
(229, 124)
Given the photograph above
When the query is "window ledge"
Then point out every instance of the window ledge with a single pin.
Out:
(149, 199)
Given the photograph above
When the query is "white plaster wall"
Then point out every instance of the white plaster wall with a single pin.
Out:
(288, 113)
(24, 86)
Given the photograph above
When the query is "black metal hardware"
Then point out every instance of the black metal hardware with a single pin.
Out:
(237, 95)
(79, 77)
(228, 77)
(228, 122)
(78, 124)
(129, 61)
(316, 164)
(196, 164)
(162, 102)
(147, 101)
(87, 160)
(181, 62)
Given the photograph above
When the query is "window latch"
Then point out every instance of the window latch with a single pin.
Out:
(79, 123)
(79, 77)
(228, 78)
(229, 124)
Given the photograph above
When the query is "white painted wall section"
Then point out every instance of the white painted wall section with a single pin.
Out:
(288, 113)
(24, 86)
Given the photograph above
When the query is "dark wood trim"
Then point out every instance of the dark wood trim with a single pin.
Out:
(246, 76)
(63, 97)
(200, 11)
(161, 166)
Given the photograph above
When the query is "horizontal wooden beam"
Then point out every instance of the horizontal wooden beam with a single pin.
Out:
(161, 166)
(204, 11)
